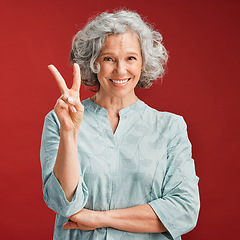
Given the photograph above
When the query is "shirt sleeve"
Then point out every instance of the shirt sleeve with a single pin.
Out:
(54, 195)
(179, 205)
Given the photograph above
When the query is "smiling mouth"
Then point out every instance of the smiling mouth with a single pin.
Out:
(120, 81)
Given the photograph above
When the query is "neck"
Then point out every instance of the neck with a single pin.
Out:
(114, 104)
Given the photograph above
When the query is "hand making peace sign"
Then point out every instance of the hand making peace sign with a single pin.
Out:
(69, 108)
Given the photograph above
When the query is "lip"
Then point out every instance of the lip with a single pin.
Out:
(122, 82)
(119, 81)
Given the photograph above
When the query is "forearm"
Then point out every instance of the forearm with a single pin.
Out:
(66, 168)
(136, 219)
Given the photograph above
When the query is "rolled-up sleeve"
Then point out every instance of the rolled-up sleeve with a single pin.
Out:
(53, 193)
(179, 205)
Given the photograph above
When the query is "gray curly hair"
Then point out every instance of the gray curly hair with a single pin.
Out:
(87, 45)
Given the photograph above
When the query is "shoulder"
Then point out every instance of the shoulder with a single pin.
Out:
(86, 102)
(167, 124)
(168, 119)
(52, 119)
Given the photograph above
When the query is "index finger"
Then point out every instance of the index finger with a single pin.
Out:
(76, 77)
(59, 79)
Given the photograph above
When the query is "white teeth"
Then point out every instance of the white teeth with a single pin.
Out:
(119, 81)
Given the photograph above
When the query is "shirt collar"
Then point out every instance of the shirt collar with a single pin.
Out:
(135, 107)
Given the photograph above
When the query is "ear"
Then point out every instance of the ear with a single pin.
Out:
(96, 66)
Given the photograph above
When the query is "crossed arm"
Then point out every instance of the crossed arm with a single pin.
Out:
(140, 219)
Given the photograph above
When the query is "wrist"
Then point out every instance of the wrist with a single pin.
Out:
(69, 135)
(104, 219)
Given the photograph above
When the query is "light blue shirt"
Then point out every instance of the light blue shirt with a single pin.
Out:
(147, 160)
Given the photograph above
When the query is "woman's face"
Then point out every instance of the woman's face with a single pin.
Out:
(121, 63)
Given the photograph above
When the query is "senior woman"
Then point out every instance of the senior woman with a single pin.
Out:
(113, 167)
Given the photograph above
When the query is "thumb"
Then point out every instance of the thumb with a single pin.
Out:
(70, 225)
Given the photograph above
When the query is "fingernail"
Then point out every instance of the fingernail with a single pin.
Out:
(74, 109)
(70, 100)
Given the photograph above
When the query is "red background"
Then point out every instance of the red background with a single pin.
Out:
(202, 84)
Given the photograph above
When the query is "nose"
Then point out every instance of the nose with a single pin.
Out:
(120, 68)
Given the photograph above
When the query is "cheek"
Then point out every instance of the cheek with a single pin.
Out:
(104, 70)
(101, 73)
(137, 70)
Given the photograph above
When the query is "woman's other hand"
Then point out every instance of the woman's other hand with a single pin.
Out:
(69, 108)
(85, 220)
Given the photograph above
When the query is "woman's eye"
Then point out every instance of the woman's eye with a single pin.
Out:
(108, 59)
(131, 58)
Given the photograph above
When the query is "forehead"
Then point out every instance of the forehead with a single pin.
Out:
(123, 42)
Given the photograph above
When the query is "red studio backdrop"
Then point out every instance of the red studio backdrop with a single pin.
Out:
(202, 84)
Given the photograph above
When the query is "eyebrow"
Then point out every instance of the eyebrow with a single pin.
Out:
(109, 53)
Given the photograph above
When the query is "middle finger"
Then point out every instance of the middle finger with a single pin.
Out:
(59, 79)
